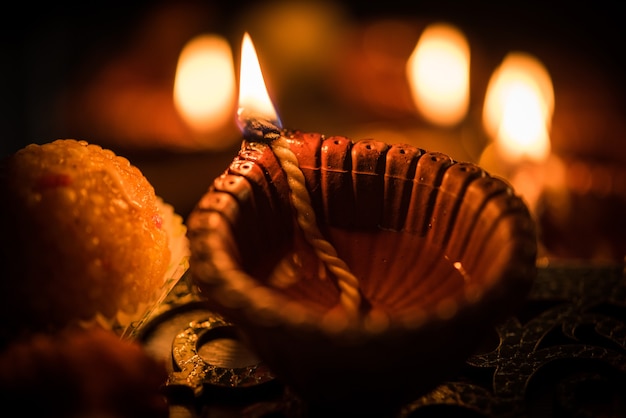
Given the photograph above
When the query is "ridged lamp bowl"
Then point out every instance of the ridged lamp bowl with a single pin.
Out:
(442, 251)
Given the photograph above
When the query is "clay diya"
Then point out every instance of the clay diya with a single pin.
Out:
(434, 252)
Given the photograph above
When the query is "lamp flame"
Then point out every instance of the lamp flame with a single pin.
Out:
(518, 108)
(204, 88)
(254, 100)
(438, 74)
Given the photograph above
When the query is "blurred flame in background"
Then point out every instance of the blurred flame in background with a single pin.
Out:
(205, 86)
(438, 74)
(517, 116)
(518, 109)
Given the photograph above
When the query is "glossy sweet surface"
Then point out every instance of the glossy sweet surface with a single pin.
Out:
(85, 239)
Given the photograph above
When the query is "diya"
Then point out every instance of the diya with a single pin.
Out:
(362, 273)
(440, 251)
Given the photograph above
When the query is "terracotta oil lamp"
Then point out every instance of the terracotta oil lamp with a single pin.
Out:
(362, 273)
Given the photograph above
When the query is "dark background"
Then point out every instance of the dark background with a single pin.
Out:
(45, 46)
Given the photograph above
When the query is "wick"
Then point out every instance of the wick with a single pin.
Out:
(259, 129)
(350, 297)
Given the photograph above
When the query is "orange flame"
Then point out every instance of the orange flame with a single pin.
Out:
(518, 108)
(254, 100)
(438, 73)
(204, 88)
